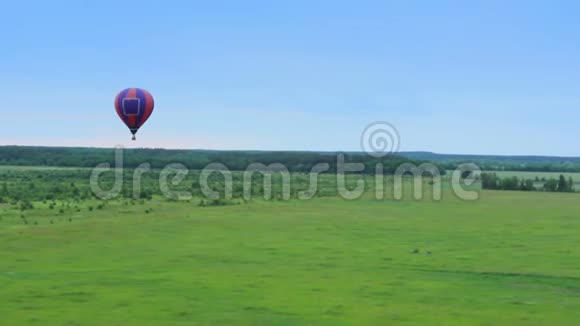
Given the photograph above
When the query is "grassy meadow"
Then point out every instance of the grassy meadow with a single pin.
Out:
(510, 258)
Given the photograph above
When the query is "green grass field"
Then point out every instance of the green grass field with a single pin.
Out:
(510, 258)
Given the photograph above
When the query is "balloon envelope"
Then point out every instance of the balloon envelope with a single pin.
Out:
(134, 106)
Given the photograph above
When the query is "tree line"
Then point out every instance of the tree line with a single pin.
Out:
(493, 182)
(295, 161)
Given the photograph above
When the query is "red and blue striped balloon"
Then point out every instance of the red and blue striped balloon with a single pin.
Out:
(134, 106)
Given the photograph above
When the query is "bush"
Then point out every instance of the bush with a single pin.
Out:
(24, 205)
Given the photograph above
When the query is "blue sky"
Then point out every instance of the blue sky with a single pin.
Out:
(489, 77)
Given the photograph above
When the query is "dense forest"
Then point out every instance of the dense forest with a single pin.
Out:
(192, 159)
(295, 161)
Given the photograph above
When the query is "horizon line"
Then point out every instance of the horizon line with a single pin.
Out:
(400, 153)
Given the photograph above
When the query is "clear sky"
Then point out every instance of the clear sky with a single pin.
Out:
(487, 77)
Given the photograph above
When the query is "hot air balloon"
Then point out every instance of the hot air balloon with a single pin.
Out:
(134, 106)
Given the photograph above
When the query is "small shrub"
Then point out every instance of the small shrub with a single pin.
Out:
(219, 202)
(24, 205)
